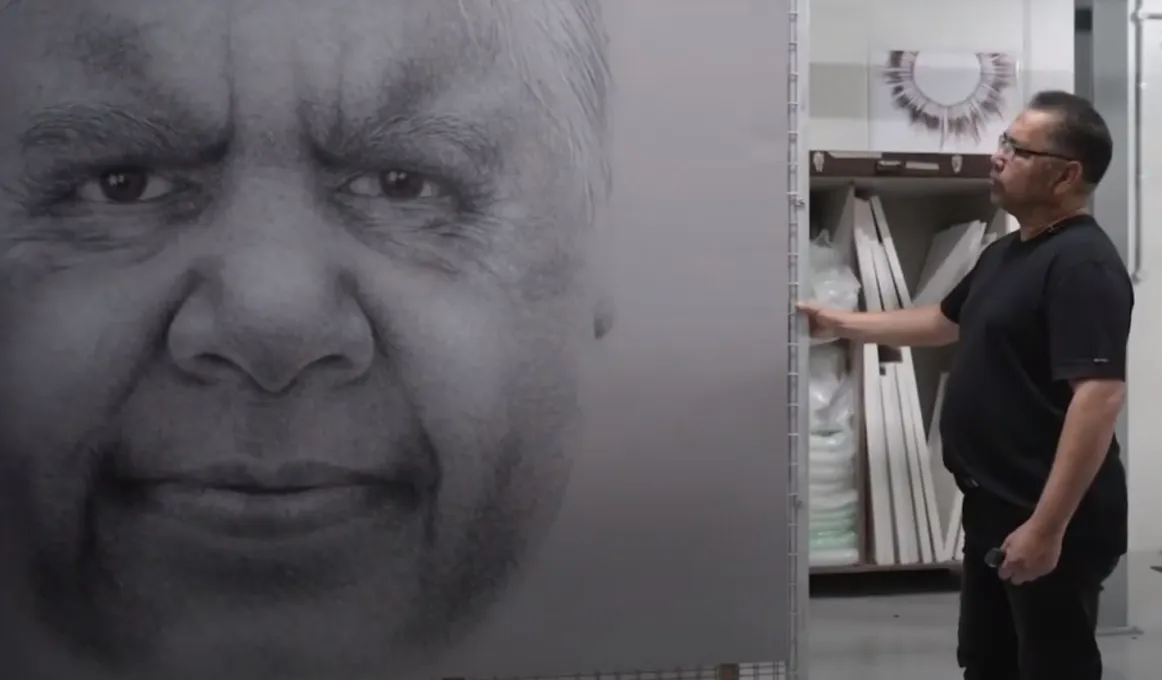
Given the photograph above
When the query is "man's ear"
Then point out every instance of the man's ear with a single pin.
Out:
(603, 316)
(1072, 176)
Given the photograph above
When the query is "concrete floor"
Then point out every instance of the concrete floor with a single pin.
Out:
(913, 637)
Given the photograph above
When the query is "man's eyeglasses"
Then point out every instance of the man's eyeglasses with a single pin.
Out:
(1010, 148)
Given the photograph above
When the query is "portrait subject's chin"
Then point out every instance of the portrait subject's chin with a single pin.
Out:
(205, 574)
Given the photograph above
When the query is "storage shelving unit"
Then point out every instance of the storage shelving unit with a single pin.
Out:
(910, 226)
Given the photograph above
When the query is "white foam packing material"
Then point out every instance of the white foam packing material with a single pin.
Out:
(833, 508)
(832, 282)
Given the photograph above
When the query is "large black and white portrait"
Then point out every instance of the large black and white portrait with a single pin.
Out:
(309, 365)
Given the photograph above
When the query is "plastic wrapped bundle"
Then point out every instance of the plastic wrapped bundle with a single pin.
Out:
(832, 281)
(833, 510)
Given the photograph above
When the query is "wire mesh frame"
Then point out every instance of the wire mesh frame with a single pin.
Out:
(794, 667)
(798, 582)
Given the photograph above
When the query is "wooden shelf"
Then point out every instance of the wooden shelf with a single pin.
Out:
(870, 580)
(884, 569)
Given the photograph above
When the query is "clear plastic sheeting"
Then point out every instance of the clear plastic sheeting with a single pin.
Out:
(831, 466)
(833, 283)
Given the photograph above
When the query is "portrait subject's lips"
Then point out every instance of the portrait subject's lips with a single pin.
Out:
(260, 503)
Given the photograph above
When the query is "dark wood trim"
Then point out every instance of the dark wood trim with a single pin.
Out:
(862, 165)
(1083, 20)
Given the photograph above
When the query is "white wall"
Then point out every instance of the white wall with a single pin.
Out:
(1145, 443)
(845, 34)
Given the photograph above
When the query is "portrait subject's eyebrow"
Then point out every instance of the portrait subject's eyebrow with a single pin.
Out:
(99, 132)
(369, 143)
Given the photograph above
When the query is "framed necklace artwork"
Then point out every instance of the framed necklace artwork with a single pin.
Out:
(950, 102)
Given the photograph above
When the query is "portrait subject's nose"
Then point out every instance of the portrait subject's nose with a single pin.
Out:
(273, 317)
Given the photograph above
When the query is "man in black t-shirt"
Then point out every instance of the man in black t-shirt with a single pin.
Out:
(1035, 388)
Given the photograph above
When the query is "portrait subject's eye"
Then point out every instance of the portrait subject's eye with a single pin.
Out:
(125, 186)
(395, 185)
(955, 96)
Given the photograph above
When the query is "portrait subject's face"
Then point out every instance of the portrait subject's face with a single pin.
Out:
(292, 301)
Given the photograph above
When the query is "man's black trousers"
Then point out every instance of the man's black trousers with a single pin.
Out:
(1043, 630)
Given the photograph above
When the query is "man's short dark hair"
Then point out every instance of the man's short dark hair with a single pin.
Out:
(1081, 133)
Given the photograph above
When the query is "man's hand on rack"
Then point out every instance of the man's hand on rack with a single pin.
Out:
(825, 323)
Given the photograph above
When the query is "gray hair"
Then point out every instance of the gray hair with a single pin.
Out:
(575, 89)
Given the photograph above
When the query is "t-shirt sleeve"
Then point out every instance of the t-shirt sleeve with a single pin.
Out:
(952, 303)
(1088, 307)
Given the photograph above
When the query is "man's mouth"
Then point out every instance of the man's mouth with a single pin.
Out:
(266, 503)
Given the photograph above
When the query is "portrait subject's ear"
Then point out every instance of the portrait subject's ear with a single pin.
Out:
(603, 315)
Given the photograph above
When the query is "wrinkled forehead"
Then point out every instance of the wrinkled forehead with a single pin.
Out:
(220, 49)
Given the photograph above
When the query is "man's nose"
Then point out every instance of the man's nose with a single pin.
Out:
(274, 317)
